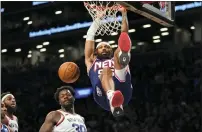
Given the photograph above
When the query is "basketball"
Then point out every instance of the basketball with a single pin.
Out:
(69, 72)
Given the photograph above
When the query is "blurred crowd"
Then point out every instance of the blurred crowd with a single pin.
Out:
(166, 96)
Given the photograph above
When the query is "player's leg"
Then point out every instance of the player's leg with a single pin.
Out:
(115, 97)
(122, 80)
(121, 77)
(122, 53)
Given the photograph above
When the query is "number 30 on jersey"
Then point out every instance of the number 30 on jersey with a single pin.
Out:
(79, 128)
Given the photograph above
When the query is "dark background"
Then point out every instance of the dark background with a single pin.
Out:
(166, 76)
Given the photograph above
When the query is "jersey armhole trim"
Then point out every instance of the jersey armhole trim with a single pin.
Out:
(61, 119)
(91, 66)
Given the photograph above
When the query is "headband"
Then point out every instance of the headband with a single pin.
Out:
(105, 43)
(4, 97)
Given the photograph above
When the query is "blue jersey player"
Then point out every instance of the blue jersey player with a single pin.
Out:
(4, 128)
(109, 72)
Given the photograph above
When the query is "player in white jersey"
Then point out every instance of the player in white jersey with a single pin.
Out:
(10, 103)
(64, 119)
(4, 121)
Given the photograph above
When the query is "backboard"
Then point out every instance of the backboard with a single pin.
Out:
(162, 12)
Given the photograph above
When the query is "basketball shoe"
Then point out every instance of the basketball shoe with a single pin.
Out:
(116, 102)
(124, 43)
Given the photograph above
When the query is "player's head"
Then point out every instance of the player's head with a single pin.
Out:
(65, 96)
(103, 50)
(9, 100)
(3, 110)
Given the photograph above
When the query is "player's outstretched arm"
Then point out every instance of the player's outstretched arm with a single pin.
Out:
(90, 43)
(124, 26)
(122, 55)
(49, 122)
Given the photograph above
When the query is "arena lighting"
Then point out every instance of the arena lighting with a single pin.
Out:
(43, 50)
(62, 55)
(114, 33)
(192, 27)
(83, 92)
(163, 29)
(30, 22)
(46, 43)
(140, 43)
(29, 56)
(58, 12)
(3, 50)
(156, 41)
(188, 6)
(114, 46)
(34, 3)
(84, 36)
(39, 46)
(156, 37)
(131, 30)
(17, 50)
(133, 47)
(146, 26)
(30, 51)
(111, 42)
(2, 9)
(165, 33)
(61, 50)
(98, 40)
(178, 30)
(54, 30)
(25, 18)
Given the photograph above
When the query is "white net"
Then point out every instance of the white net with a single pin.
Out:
(107, 12)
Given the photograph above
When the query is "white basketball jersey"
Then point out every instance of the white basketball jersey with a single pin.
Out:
(13, 123)
(70, 123)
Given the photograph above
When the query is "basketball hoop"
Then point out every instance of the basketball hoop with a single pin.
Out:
(107, 12)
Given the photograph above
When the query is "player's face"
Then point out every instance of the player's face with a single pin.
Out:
(3, 107)
(3, 111)
(65, 98)
(10, 103)
(104, 51)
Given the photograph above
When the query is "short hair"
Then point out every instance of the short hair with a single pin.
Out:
(3, 94)
(56, 95)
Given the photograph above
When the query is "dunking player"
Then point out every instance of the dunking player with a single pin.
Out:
(4, 121)
(109, 73)
(9, 100)
(64, 119)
